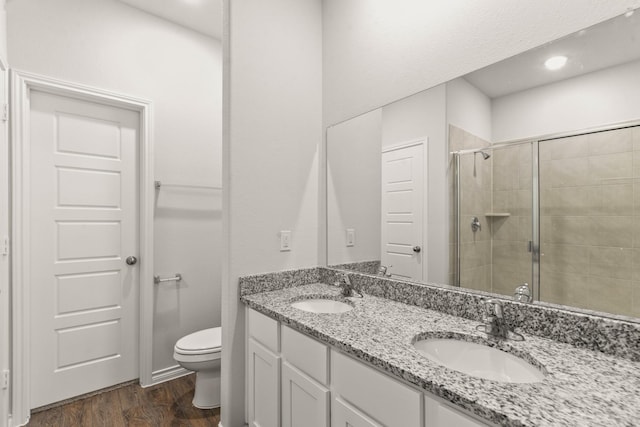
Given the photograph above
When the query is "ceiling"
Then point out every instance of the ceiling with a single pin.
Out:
(204, 16)
(604, 45)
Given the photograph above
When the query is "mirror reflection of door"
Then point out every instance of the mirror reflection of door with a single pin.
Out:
(402, 210)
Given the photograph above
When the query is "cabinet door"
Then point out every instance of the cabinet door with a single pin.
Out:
(264, 386)
(305, 403)
(344, 415)
(438, 414)
(379, 396)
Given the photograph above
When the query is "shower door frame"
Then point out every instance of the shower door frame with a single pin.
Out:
(535, 192)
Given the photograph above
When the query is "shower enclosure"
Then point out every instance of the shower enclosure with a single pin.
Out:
(561, 214)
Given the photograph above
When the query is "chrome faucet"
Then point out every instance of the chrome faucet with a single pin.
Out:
(347, 288)
(382, 271)
(494, 324)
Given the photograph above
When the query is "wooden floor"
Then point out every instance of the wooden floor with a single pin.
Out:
(167, 404)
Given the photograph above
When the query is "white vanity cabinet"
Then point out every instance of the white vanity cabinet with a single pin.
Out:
(263, 371)
(437, 413)
(297, 381)
(345, 415)
(305, 394)
(377, 396)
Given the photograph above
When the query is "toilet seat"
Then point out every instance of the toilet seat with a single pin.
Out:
(206, 341)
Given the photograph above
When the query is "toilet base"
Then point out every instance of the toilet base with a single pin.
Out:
(207, 394)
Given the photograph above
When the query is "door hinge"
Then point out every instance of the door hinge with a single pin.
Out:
(5, 246)
(5, 112)
(5, 379)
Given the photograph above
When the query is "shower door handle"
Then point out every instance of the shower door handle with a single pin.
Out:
(131, 260)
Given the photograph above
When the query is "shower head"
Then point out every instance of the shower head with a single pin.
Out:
(485, 155)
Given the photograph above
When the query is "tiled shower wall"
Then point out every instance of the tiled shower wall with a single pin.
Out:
(590, 213)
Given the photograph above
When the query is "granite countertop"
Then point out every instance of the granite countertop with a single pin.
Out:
(582, 387)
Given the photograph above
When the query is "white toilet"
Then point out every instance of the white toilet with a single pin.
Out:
(200, 352)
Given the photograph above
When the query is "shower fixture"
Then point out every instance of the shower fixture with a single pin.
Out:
(485, 155)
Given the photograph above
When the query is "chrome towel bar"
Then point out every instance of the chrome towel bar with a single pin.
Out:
(176, 278)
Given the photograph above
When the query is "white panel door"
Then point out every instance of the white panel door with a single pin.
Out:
(264, 386)
(402, 211)
(305, 403)
(83, 224)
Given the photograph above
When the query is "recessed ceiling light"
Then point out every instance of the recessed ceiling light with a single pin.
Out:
(555, 62)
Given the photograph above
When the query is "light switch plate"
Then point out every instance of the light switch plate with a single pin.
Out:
(351, 237)
(285, 240)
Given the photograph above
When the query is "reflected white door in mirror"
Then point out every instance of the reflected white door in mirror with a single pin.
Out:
(402, 210)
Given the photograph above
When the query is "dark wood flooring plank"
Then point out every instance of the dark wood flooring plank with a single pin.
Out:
(164, 405)
(129, 396)
(106, 410)
(51, 417)
(77, 413)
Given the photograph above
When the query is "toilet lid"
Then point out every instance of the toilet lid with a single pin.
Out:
(204, 341)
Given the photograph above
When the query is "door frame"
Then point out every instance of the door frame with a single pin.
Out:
(22, 83)
(5, 321)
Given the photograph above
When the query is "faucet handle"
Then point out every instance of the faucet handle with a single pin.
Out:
(493, 307)
(344, 278)
(522, 293)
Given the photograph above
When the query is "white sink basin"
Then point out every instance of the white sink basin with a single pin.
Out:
(321, 305)
(479, 360)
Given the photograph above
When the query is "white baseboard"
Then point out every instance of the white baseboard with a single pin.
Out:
(167, 374)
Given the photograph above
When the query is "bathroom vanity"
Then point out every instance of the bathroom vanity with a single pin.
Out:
(291, 371)
(360, 367)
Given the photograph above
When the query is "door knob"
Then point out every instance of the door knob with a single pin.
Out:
(131, 260)
(417, 249)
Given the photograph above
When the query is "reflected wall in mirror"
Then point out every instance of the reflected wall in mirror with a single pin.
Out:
(528, 175)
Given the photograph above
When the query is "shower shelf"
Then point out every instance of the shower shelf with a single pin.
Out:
(497, 214)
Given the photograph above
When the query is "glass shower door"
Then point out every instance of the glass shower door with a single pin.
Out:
(494, 217)
(589, 213)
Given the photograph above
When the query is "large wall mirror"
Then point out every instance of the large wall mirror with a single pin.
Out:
(517, 173)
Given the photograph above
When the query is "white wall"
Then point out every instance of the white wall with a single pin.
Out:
(353, 188)
(468, 108)
(600, 98)
(418, 116)
(109, 45)
(273, 131)
(378, 51)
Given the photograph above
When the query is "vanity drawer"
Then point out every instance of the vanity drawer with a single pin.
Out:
(264, 330)
(380, 397)
(306, 354)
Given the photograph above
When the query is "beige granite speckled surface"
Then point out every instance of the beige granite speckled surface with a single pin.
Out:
(582, 387)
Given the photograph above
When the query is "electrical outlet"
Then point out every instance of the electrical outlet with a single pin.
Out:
(285, 240)
(351, 237)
